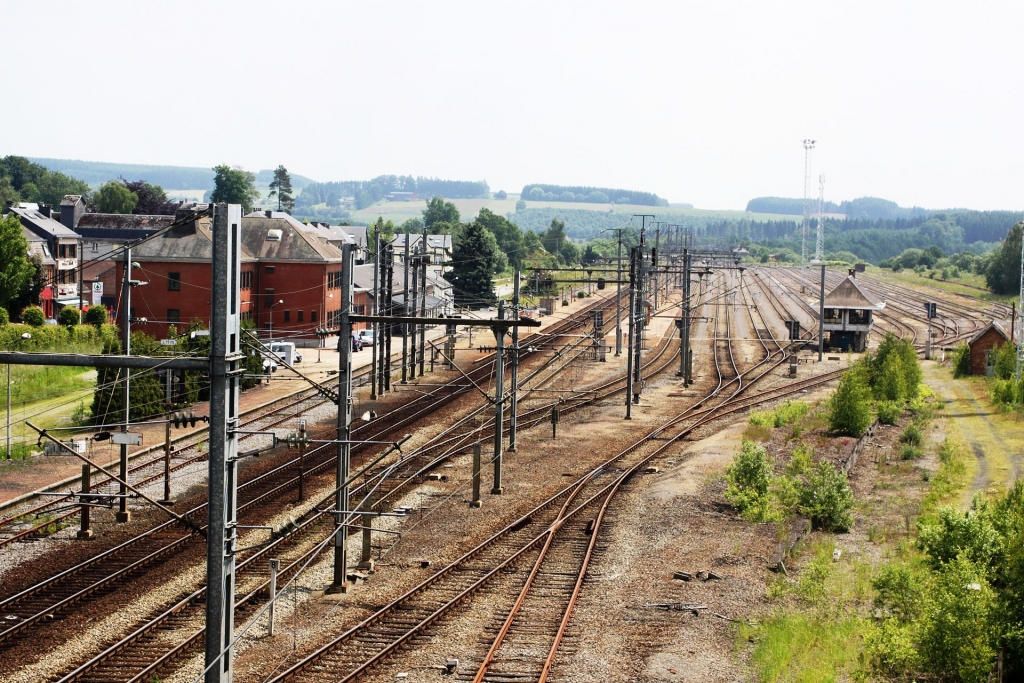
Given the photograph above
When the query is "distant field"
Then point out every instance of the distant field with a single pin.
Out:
(469, 208)
(187, 195)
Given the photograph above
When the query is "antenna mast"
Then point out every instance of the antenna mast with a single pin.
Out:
(819, 247)
(1020, 315)
(808, 146)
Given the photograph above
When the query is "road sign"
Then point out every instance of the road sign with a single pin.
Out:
(168, 342)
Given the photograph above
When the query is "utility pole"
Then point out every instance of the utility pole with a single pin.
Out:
(632, 332)
(340, 583)
(412, 308)
(389, 307)
(819, 246)
(424, 262)
(808, 146)
(405, 305)
(499, 396)
(821, 316)
(618, 293)
(515, 365)
(376, 311)
(123, 515)
(225, 366)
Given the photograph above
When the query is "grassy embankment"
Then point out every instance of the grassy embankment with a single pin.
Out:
(968, 284)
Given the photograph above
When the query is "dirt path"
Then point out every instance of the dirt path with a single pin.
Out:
(995, 438)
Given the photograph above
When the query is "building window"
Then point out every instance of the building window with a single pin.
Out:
(270, 269)
(334, 279)
(312, 316)
(287, 315)
(359, 309)
(173, 315)
(247, 279)
(246, 315)
(95, 247)
(299, 318)
(174, 281)
(268, 297)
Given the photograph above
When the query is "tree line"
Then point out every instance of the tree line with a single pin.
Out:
(367, 192)
(593, 195)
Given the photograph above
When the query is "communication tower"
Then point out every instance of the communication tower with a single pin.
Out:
(808, 146)
(1020, 313)
(819, 247)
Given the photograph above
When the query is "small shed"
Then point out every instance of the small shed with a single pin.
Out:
(984, 344)
(849, 316)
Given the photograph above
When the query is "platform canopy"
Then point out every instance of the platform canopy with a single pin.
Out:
(848, 294)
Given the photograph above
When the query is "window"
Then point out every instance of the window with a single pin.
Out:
(247, 279)
(174, 281)
(359, 310)
(173, 315)
(287, 315)
(246, 315)
(299, 318)
(270, 269)
(334, 279)
(95, 247)
(312, 316)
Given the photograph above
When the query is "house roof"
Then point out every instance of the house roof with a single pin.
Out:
(70, 199)
(848, 294)
(433, 241)
(362, 276)
(1000, 326)
(123, 221)
(37, 246)
(284, 238)
(43, 226)
(191, 241)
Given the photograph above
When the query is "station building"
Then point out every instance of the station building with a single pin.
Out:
(849, 316)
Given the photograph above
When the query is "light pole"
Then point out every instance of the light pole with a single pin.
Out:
(270, 306)
(24, 335)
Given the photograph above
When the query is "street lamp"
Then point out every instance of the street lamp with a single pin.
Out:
(270, 330)
(24, 335)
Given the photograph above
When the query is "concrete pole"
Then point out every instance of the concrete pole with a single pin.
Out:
(405, 299)
(499, 403)
(515, 366)
(123, 515)
(225, 374)
(340, 583)
(476, 502)
(821, 317)
(632, 333)
(366, 554)
(390, 310)
(424, 262)
(412, 308)
(376, 311)
(618, 300)
(275, 566)
(8, 411)
(84, 532)
(167, 457)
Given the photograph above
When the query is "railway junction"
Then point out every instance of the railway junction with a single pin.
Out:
(426, 532)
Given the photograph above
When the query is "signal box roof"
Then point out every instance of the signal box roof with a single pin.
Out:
(848, 294)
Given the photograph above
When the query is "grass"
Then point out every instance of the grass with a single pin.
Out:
(804, 648)
(969, 284)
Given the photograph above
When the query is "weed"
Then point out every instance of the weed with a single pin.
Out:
(757, 433)
(912, 435)
(909, 452)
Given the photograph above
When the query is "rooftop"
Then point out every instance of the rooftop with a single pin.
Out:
(848, 294)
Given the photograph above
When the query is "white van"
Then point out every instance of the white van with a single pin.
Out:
(286, 352)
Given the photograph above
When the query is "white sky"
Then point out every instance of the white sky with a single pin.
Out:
(702, 102)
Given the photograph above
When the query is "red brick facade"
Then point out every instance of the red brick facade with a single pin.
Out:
(983, 346)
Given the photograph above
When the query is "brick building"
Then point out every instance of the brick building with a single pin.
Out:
(64, 248)
(848, 316)
(984, 344)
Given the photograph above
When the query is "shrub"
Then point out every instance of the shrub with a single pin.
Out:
(1005, 364)
(961, 361)
(749, 478)
(888, 412)
(787, 413)
(900, 591)
(69, 317)
(33, 315)
(5, 317)
(827, 499)
(909, 452)
(912, 435)
(850, 404)
(1007, 392)
(893, 371)
(96, 316)
(970, 534)
(890, 649)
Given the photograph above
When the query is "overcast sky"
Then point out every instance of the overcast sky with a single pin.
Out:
(701, 102)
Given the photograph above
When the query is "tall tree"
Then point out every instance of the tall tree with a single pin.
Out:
(114, 197)
(507, 233)
(234, 186)
(152, 198)
(281, 187)
(17, 270)
(475, 257)
(1003, 275)
(554, 237)
(439, 211)
(7, 191)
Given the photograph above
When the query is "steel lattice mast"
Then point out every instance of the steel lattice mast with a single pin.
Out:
(1020, 313)
(808, 146)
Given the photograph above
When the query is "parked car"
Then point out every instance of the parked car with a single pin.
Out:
(366, 337)
(286, 351)
(269, 366)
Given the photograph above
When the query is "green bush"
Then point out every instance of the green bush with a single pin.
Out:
(888, 412)
(1005, 364)
(961, 361)
(749, 478)
(893, 370)
(827, 499)
(787, 413)
(33, 315)
(5, 317)
(900, 591)
(1007, 392)
(850, 404)
(96, 316)
(912, 435)
(971, 534)
(69, 316)
(909, 452)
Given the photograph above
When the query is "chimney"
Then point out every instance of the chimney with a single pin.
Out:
(72, 209)
(268, 212)
(45, 210)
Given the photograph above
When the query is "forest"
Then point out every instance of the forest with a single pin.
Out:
(590, 195)
(366, 192)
